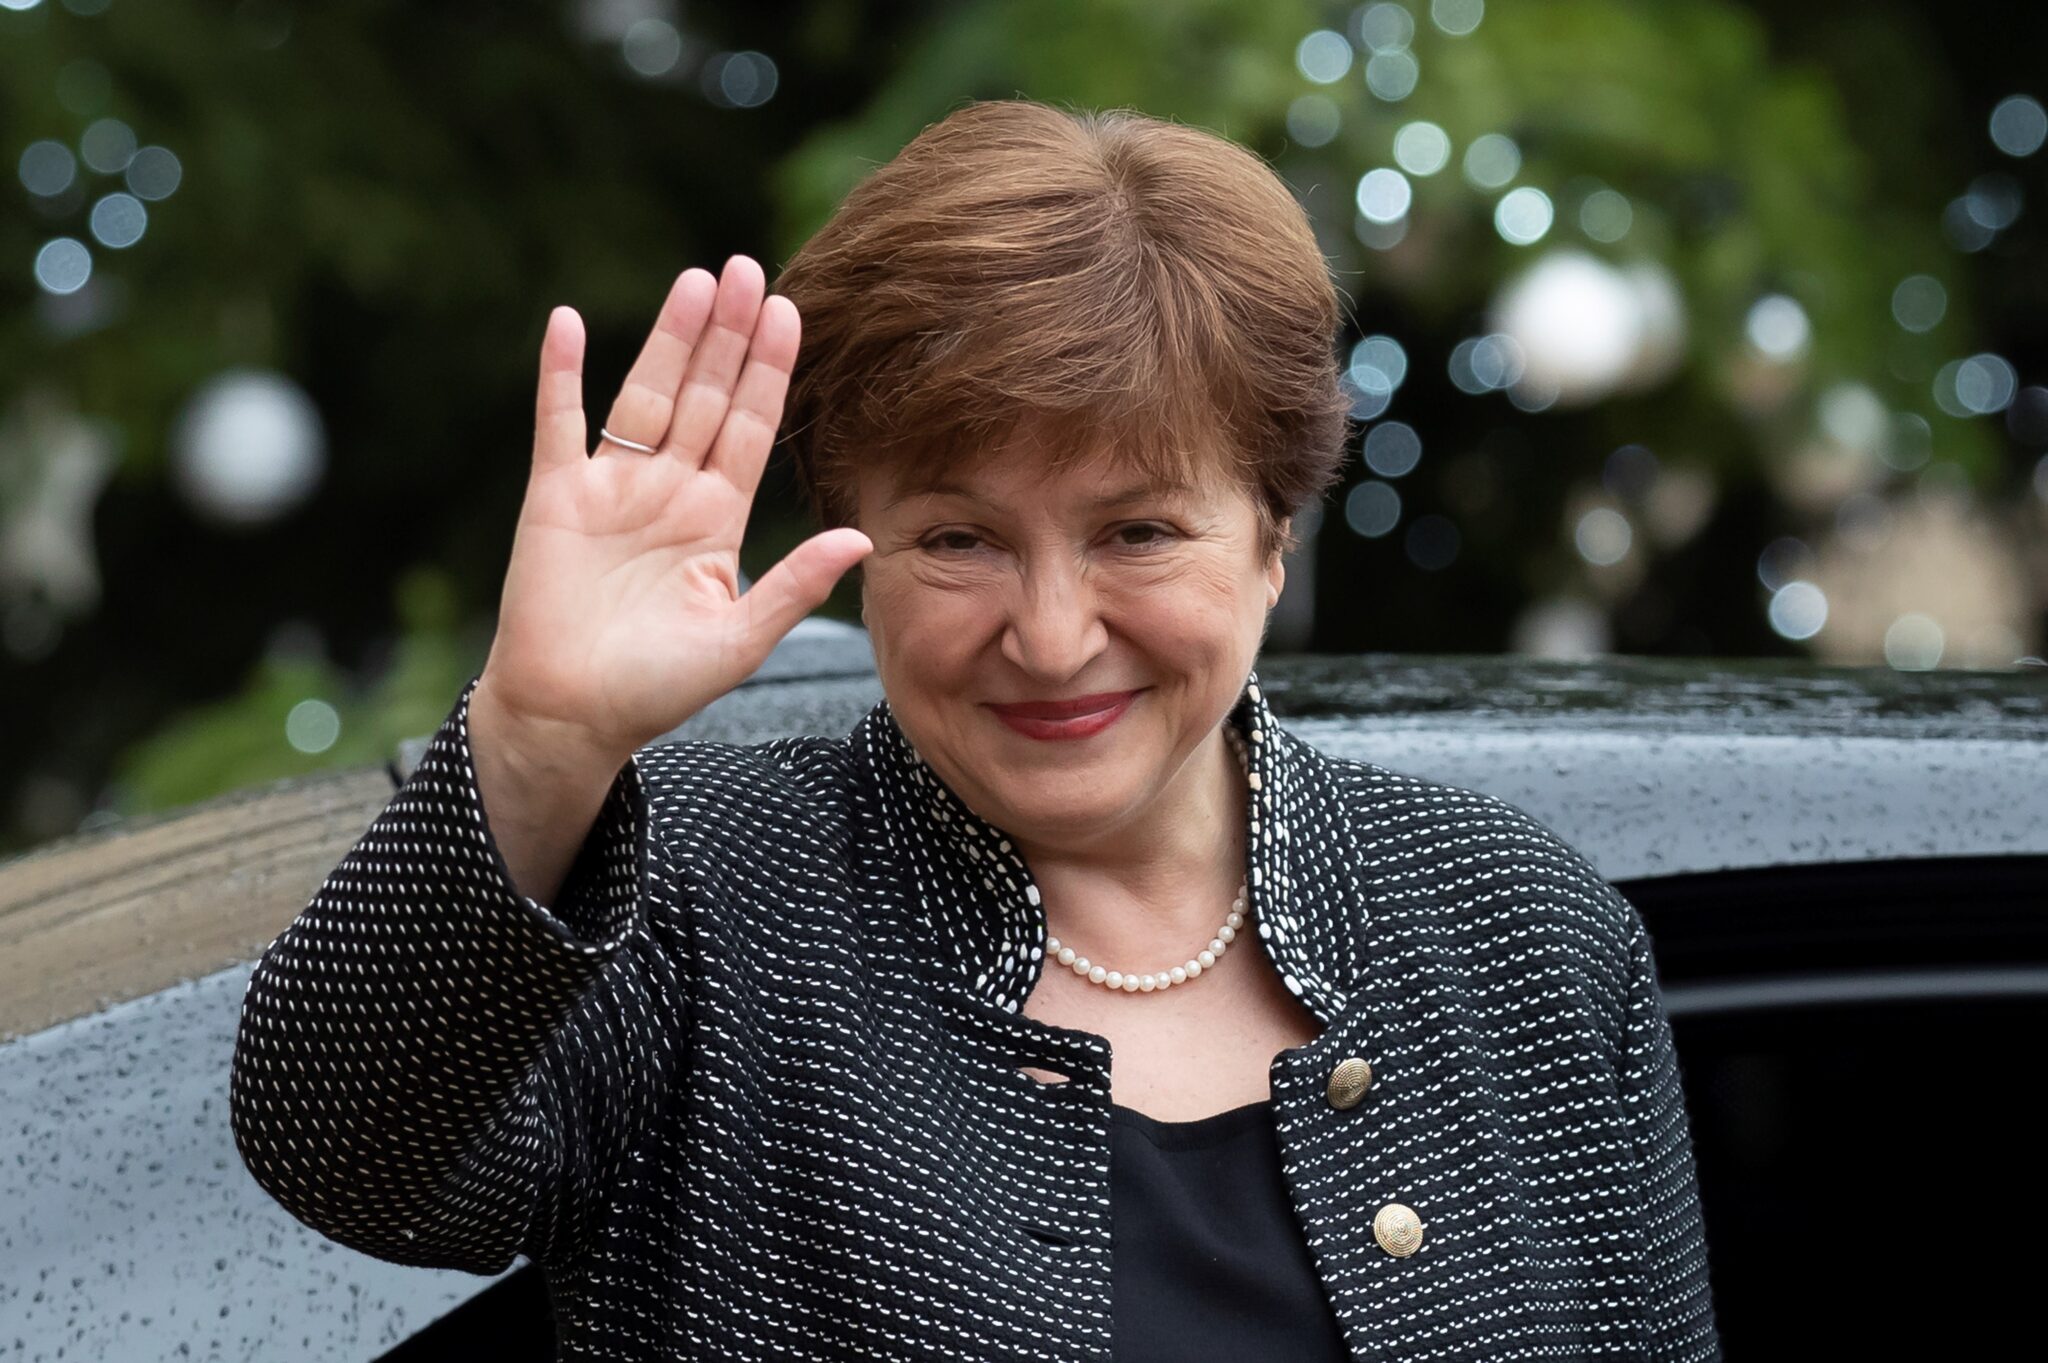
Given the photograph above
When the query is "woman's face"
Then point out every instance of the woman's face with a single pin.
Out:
(1010, 584)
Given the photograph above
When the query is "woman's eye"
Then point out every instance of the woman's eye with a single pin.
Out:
(943, 539)
(1150, 535)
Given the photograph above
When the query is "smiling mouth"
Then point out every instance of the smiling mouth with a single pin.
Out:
(1063, 709)
(1077, 718)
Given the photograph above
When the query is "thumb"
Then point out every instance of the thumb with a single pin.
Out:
(795, 587)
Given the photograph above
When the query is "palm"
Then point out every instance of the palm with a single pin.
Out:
(622, 613)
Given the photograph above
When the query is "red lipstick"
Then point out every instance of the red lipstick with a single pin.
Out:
(1074, 717)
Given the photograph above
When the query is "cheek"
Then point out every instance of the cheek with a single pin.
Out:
(922, 610)
(1195, 600)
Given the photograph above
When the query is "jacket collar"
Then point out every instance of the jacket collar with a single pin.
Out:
(979, 906)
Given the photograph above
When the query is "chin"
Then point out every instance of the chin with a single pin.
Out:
(1050, 806)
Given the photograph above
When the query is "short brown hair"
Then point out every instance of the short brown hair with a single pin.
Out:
(1133, 283)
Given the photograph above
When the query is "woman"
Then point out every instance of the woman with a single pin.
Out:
(803, 1049)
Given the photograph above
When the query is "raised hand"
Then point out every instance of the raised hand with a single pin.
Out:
(621, 615)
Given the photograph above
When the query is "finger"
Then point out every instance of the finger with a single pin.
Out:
(795, 587)
(646, 402)
(748, 433)
(708, 383)
(558, 422)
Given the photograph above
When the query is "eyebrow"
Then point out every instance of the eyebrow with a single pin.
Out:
(1135, 493)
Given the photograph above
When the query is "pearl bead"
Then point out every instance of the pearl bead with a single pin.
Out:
(1097, 975)
(1066, 954)
(1115, 979)
(1207, 958)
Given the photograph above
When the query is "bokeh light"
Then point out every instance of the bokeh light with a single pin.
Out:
(2019, 125)
(1976, 386)
(1777, 326)
(1392, 75)
(63, 265)
(1919, 302)
(107, 146)
(1782, 560)
(119, 220)
(1602, 536)
(1914, 642)
(1457, 17)
(1798, 610)
(1492, 161)
(1392, 448)
(1853, 414)
(1324, 56)
(248, 447)
(47, 168)
(312, 726)
(1385, 27)
(1372, 508)
(1313, 120)
(154, 173)
(1962, 227)
(1422, 148)
(1606, 215)
(1378, 363)
(1384, 195)
(1523, 215)
(739, 80)
(1993, 200)
(651, 47)
(1582, 329)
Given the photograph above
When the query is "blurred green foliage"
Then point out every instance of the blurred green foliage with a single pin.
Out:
(382, 201)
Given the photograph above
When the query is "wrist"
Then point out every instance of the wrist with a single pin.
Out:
(540, 748)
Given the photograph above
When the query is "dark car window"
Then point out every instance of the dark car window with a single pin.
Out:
(1859, 1047)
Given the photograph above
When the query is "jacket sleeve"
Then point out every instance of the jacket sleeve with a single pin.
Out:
(1680, 1327)
(437, 1070)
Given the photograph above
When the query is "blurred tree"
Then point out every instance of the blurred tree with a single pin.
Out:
(343, 229)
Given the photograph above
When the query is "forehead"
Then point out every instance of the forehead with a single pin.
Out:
(1040, 465)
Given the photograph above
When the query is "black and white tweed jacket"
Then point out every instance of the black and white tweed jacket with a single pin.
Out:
(751, 1087)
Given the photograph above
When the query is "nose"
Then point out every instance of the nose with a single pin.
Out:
(1053, 622)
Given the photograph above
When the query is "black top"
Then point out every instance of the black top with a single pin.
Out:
(1207, 1258)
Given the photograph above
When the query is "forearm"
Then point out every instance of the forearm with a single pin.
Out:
(406, 1042)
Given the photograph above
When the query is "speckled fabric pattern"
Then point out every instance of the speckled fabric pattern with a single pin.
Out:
(750, 1088)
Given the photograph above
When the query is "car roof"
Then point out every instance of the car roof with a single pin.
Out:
(1649, 766)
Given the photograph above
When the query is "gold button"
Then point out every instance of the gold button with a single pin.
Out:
(1349, 1081)
(1398, 1230)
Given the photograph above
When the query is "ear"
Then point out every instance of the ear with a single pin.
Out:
(1276, 569)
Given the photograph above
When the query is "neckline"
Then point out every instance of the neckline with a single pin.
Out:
(979, 907)
(1196, 1132)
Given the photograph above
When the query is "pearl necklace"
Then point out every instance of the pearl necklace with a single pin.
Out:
(1131, 983)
